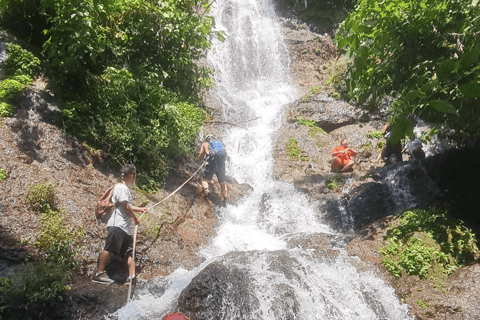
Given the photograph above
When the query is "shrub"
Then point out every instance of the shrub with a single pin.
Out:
(41, 196)
(20, 62)
(3, 174)
(334, 182)
(380, 144)
(6, 109)
(385, 42)
(23, 79)
(366, 147)
(53, 230)
(41, 280)
(374, 134)
(10, 89)
(336, 78)
(427, 243)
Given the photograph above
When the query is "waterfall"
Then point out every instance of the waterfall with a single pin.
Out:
(285, 263)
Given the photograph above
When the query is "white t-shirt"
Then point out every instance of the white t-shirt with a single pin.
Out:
(119, 218)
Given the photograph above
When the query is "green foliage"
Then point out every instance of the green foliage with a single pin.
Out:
(23, 79)
(423, 53)
(41, 196)
(366, 147)
(10, 89)
(428, 134)
(336, 78)
(3, 174)
(422, 304)
(128, 75)
(374, 134)
(426, 243)
(41, 280)
(293, 150)
(6, 109)
(314, 128)
(138, 120)
(20, 62)
(334, 182)
(54, 231)
(380, 144)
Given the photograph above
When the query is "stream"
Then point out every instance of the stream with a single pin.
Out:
(271, 257)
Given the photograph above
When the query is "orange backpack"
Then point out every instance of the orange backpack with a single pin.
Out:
(104, 207)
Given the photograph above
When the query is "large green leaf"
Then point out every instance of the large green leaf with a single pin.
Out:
(470, 89)
(442, 106)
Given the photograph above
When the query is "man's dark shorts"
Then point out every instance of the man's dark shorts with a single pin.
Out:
(119, 242)
(215, 166)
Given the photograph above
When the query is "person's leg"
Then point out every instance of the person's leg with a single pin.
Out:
(102, 261)
(205, 186)
(127, 252)
(131, 267)
(348, 167)
(223, 187)
(336, 164)
(220, 172)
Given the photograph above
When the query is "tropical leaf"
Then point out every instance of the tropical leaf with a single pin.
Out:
(442, 106)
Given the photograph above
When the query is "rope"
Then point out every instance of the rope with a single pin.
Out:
(136, 226)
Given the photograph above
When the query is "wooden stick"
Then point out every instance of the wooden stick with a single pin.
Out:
(136, 226)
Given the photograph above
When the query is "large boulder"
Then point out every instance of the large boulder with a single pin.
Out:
(217, 292)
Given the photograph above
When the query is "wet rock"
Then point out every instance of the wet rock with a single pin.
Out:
(440, 180)
(218, 292)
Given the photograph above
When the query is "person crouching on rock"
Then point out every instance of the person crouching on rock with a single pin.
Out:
(214, 155)
(341, 158)
(119, 239)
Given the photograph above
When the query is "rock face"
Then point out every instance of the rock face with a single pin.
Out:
(373, 193)
(218, 292)
(328, 113)
(436, 181)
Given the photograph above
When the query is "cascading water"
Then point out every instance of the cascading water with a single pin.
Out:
(292, 265)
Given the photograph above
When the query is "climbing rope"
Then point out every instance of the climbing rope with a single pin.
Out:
(136, 226)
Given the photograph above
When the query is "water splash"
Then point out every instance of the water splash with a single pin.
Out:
(264, 235)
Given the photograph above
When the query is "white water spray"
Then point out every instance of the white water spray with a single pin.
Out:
(288, 282)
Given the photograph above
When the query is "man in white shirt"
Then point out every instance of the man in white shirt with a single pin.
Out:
(120, 232)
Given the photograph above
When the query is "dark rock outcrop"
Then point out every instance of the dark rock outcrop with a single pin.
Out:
(443, 180)
(218, 291)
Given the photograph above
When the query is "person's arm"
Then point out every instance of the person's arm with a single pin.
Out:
(385, 127)
(379, 155)
(128, 209)
(202, 152)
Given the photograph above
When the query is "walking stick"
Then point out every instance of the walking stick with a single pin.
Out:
(133, 257)
(136, 226)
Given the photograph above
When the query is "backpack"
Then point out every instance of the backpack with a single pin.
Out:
(104, 207)
(216, 148)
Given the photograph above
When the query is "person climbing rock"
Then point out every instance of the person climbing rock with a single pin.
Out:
(214, 155)
(119, 239)
(391, 152)
(342, 158)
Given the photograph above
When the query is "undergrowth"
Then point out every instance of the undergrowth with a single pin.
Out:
(3, 174)
(428, 244)
(37, 282)
(293, 150)
(20, 66)
(314, 130)
(334, 182)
